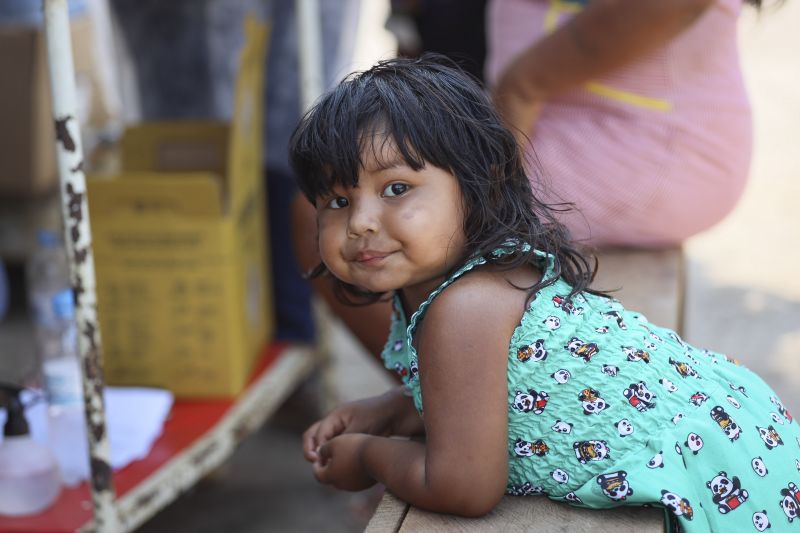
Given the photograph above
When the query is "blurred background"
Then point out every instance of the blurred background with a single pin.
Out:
(742, 286)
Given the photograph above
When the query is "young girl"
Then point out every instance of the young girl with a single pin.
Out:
(522, 380)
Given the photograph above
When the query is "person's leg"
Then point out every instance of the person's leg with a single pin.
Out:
(370, 323)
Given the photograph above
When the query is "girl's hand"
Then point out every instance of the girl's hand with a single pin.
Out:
(382, 415)
(340, 463)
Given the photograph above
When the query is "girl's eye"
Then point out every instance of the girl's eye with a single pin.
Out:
(338, 202)
(395, 189)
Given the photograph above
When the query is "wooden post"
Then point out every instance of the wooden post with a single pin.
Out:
(78, 239)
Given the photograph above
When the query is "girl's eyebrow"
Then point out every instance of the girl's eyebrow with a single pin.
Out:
(395, 161)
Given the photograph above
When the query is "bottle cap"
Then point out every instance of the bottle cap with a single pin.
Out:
(16, 424)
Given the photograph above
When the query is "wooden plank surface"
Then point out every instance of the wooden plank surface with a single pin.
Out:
(538, 513)
(388, 516)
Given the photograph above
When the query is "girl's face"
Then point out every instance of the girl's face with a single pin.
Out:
(397, 229)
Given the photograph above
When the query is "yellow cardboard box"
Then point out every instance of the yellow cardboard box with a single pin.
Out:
(184, 294)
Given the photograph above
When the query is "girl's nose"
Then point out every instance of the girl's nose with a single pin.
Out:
(364, 218)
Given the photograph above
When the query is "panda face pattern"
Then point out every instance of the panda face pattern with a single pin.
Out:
(761, 520)
(602, 329)
(770, 437)
(734, 402)
(790, 504)
(591, 450)
(413, 369)
(614, 485)
(781, 409)
(639, 396)
(561, 376)
(677, 418)
(738, 388)
(532, 352)
(616, 316)
(592, 402)
(609, 370)
(727, 492)
(560, 476)
(726, 423)
(694, 442)
(657, 461)
(531, 401)
(656, 338)
(398, 345)
(562, 427)
(759, 467)
(679, 506)
(776, 418)
(624, 427)
(683, 369)
(698, 398)
(678, 448)
(567, 306)
(552, 322)
(524, 489)
(668, 385)
(572, 497)
(635, 354)
(584, 350)
(525, 448)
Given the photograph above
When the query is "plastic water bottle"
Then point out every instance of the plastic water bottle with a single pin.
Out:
(53, 308)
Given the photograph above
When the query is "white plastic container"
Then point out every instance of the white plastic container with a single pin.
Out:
(29, 477)
(30, 480)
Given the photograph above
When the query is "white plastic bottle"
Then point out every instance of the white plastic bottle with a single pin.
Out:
(53, 308)
(29, 475)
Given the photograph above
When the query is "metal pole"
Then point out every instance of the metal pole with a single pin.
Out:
(78, 239)
(309, 37)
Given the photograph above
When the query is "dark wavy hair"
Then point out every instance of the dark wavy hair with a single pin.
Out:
(436, 114)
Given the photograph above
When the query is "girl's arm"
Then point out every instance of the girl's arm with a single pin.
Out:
(391, 413)
(606, 35)
(462, 468)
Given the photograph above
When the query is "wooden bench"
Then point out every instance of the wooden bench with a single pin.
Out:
(651, 282)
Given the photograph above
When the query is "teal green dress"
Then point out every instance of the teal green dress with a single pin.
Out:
(606, 409)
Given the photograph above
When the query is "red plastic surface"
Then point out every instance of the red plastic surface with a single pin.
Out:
(188, 421)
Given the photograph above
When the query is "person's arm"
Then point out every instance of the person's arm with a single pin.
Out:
(391, 413)
(604, 36)
(462, 468)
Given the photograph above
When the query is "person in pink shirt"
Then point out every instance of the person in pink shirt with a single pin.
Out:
(634, 111)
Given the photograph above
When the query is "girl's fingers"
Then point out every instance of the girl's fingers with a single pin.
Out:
(310, 443)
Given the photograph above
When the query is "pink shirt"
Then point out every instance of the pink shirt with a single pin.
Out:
(651, 153)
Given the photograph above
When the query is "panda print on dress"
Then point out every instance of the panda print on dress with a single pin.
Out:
(609, 370)
(552, 322)
(592, 402)
(566, 305)
(608, 315)
(591, 450)
(398, 345)
(668, 385)
(624, 427)
(797, 464)
(532, 352)
(572, 497)
(561, 376)
(614, 485)
(657, 461)
(734, 402)
(776, 418)
(698, 398)
(602, 329)
(677, 338)
(761, 521)
(759, 467)
(562, 427)
(400, 370)
(413, 369)
(738, 388)
(770, 437)
(531, 401)
(639, 396)
(683, 369)
(791, 502)
(524, 448)
(636, 354)
(677, 418)
(584, 350)
(727, 492)
(726, 423)
(694, 442)
(560, 476)
(679, 506)
(781, 409)
(524, 489)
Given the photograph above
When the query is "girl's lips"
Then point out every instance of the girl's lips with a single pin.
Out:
(371, 258)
